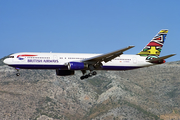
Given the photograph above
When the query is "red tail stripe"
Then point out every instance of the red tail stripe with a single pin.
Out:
(154, 44)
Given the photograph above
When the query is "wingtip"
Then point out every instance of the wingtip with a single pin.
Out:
(173, 54)
(131, 46)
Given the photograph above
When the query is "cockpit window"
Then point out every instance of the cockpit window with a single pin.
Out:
(11, 56)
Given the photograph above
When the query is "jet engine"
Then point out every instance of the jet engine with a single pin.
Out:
(76, 66)
(64, 72)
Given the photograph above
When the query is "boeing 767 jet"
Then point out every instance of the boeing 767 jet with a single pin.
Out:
(67, 63)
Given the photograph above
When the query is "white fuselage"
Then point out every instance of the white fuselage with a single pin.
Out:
(59, 61)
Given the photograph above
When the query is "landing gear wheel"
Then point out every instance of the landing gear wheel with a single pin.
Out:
(17, 74)
(82, 77)
(94, 73)
(86, 76)
(90, 74)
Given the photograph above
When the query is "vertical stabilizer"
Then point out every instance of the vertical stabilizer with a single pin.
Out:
(154, 47)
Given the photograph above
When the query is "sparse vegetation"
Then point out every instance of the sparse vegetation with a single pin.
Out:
(172, 93)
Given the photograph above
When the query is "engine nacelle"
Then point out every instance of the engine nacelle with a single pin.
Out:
(64, 72)
(76, 66)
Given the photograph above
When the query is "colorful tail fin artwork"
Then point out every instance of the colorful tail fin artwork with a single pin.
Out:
(154, 47)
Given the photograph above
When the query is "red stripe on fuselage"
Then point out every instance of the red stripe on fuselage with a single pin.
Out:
(26, 55)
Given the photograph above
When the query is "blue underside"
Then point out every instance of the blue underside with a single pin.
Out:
(62, 67)
(39, 66)
(119, 67)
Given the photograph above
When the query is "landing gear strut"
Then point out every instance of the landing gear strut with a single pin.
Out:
(92, 73)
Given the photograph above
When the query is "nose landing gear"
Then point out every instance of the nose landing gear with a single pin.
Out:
(17, 74)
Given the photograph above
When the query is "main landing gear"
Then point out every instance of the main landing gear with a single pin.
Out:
(92, 73)
(91, 67)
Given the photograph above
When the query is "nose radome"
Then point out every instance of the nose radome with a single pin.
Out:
(7, 61)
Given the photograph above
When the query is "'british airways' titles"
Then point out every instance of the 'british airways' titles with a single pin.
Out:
(42, 61)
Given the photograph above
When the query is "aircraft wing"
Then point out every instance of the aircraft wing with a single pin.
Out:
(106, 57)
(161, 58)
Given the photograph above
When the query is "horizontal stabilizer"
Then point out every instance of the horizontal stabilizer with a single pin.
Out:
(161, 58)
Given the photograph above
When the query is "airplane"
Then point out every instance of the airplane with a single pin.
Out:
(67, 63)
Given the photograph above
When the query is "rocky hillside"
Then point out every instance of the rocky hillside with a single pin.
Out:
(1, 60)
(146, 93)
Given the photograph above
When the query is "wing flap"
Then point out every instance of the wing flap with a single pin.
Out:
(107, 57)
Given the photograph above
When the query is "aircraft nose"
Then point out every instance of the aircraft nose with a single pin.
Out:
(6, 61)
